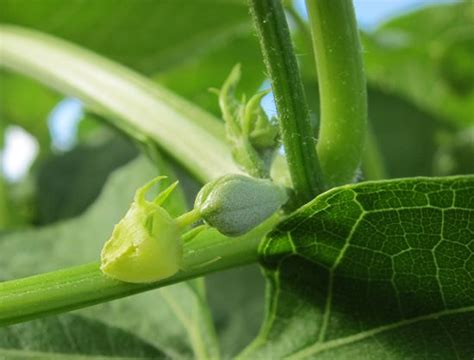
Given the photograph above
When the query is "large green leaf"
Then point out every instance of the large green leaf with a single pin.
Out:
(182, 308)
(72, 336)
(374, 270)
(426, 56)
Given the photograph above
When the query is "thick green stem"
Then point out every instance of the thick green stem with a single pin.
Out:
(342, 88)
(86, 285)
(280, 61)
(131, 102)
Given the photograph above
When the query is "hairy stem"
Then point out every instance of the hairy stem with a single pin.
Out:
(280, 62)
(85, 285)
(342, 88)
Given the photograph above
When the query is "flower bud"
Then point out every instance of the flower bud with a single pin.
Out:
(262, 131)
(145, 245)
(235, 204)
(252, 136)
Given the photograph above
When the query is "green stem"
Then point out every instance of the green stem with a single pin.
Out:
(342, 88)
(272, 30)
(81, 286)
(131, 102)
(188, 218)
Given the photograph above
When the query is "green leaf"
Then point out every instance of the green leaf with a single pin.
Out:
(68, 183)
(72, 336)
(193, 78)
(426, 56)
(183, 307)
(175, 319)
(148, 35)
(189, 304)
(17, 91)
(373, 270)
(406, 135)
(455, 153)
(6, 216)
(236, 298)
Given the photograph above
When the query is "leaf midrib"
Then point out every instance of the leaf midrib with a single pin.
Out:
(191, 327)
(321, 347)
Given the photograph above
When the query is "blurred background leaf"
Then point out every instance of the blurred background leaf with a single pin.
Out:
(236, 298)
(68, 183)
(71, 336)
(26, 103)
(406, 135)
(427, 57)
(188, 53)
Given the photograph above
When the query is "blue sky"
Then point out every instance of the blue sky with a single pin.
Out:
(371, 13)
(20, 148)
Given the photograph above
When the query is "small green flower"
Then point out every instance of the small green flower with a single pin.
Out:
(145, 245)
(235, 204)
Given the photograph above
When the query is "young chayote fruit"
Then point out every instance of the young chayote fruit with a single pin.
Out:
(145, 245)
(235, 204)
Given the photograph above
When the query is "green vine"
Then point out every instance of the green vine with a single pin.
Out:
(298, 139)
(342, 88)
